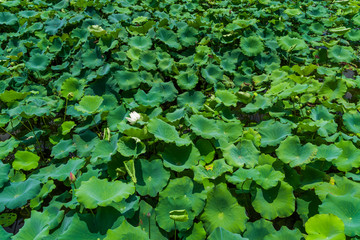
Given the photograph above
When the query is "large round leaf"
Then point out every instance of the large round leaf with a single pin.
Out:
(291, 151)
(179, 158)
(251, 46)
(222, 210)
(244, 153)
(140, 42)
(25, 160)
(151, 177)
(341, 54)
(99, 192)
(275, 202)
(285, 234)
(349, 158)
(38, 62)
(325, 226)
(89, 104)
(127, 80)
(126, 231)
(18, 193)
(347, 208)
(272, 133)
(223, 234)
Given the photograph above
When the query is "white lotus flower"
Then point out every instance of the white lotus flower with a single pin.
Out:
(134, 116)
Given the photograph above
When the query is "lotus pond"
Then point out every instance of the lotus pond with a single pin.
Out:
(179, 119)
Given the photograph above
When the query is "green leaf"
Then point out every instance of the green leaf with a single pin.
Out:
(272, 133)
(54, 25)
(268, 177)
(99, 192)
(18, 193)
(10, 96)
(291, 151)
(7, 147)
(223, 234)
(38, 62)
(352, 121)
(349, 158)
(261, 102)
(204, 127)
(259, 229)
(291, 44)
(168, 204)
(126, 231)
(211, 171)
(168, 37)
(151, 177)
(212, 73)
(193, 99)
(89, 104)
(73, 88)
(251, 46)
(8, 18)
(244, 153)
(275, 202)
(187, 80)
(165, 132)
(226, 97)
(127, 80)
(25, 160)
(346, 208)
(67, 126)
(187, 36)
(62, 149)
(284, 234)
(35, 227)
(222, 210)
(7, 219)
(325, 226)
(4, 172)
(141, 42)
(341, 54)
(129, 146)
(179, 158)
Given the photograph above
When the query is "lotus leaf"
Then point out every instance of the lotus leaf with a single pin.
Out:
(275, 202)
(353, 35)
(325, 226)
(272, 133)
(54, 25)
(25, 160)
(252, 46)
(193, 99)
(77, 229)
(212, 73)
(163, 131)
(126, 231)
(18, 193)
(38, 62)
(338, 186)
(207, 128)
(351, 121)
(179, 158)
(7, 219)
(11, 96)
(226, 97)
(151, 177)
(89, 104)
(223, 234)
(36, 227)
(4, 172)
(261, 102)
(259, 229)
(268, 177)
(67, 126)
(187, 80)
(72, 88)
(169, 204)
(288, 43)
(147, 221)
(99, 192)
(141, 42)
(148, 60)
(291, 151)
(4, 234)
(92, 58)
(8, 18)
(168, 37)
(346, 208)
(62, 149)
(187, 36)
(284, 234)
(341, 54)
(211, 171)
(244, 153)
(222, 210)
(130, 147)
(349, 158)
(59, 172)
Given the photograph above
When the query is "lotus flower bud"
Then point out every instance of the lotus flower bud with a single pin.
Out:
(134, 117)
(72, 177)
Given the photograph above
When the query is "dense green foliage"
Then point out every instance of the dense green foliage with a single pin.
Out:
(139, 119)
